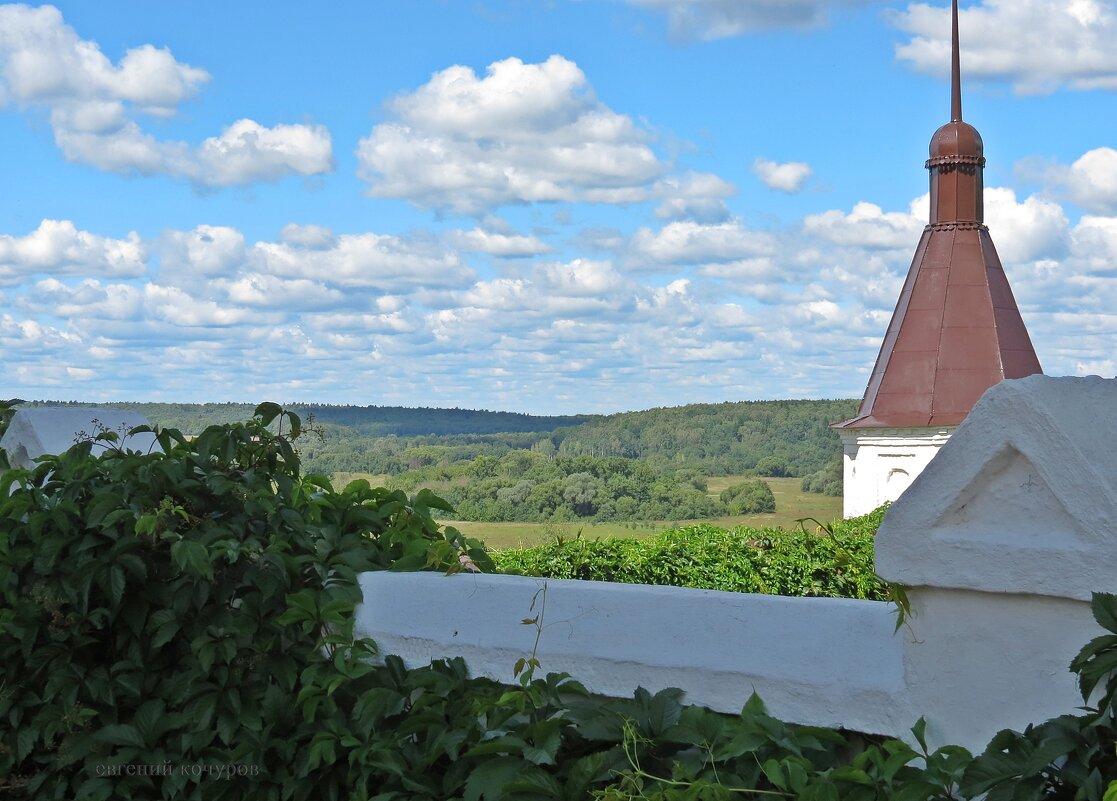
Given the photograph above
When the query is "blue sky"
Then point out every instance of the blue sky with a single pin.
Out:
(546, 207)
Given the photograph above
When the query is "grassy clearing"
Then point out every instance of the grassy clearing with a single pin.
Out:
(791, 504)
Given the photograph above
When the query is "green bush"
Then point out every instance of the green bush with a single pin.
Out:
(803, 562)
(194, 609)
(748, 498)
(827, 481)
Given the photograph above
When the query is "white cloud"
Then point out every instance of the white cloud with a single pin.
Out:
(92, 102)
(523, 133)
(1036, 45)
(1028, 231)
(258, 290)
(694, 195)
(247, 152)
(370, 261)
(580, 278)
(1094, 242)
(208, 250)
(44, 61)
(497, 244)
(309, 236)
(57, 247)
(1090, 182)
(687, 242)
(868, 225)
(718, 19)
(90, 299)
(786, 177)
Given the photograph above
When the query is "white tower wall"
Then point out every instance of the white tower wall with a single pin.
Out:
(878, 464)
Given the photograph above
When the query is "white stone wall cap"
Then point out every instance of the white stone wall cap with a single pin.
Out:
(1022, 499)
(824, 661)
(52, 430)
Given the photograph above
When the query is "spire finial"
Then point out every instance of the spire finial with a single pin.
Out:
(955, 69)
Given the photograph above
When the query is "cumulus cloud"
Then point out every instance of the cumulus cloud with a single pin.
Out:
(309, 236)
(1025, 231)
(1089, 182)
(522, 133)
(719, 19)
(694, 195)
(688, 242)
(262, 291)
(57, 247)
(93, 104)
(1036, 45)
(786, 177)
(868, 225)
(497, 244)
(1094, 242)
(207, 250)
(89, 299)
(370, 261)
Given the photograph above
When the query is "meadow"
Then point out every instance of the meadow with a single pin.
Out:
(791, 504)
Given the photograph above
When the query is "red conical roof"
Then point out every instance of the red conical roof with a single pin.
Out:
(956, 330)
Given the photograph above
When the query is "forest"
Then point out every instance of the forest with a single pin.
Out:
(504, 466)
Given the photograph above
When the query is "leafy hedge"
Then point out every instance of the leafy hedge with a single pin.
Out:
(193, 609)
(836, 561)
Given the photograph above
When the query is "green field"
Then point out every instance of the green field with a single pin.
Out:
(791, 504)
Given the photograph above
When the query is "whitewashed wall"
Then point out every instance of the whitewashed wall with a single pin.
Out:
(1002, 538)
(878, 465)
(813, 660)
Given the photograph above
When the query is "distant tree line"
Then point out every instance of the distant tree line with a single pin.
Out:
(525, 485)
(757, 438)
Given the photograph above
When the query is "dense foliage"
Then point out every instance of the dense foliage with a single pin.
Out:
(529, 486)
(193, 608)
(764, 438)
(837, 562)
(748, 498)
(827, 481)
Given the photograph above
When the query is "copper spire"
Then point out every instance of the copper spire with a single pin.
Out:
(956, 330)
(955, 67)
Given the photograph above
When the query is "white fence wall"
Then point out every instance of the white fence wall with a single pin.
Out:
(820, 660)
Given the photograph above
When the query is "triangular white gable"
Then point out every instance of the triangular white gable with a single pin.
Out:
(1023, 498)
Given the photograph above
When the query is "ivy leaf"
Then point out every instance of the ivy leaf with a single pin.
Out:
(116, 584)
(488, 780)
(267, 412)
(148, 719)
(120, 734)
(25, 741)
(1104, 607)
(190, 556)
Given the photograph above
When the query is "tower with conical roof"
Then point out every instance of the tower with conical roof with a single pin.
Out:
(956, 330)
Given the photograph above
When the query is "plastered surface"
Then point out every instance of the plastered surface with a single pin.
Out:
(878, 465)
(1022, 499)
(821, 661)
(53, 430)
